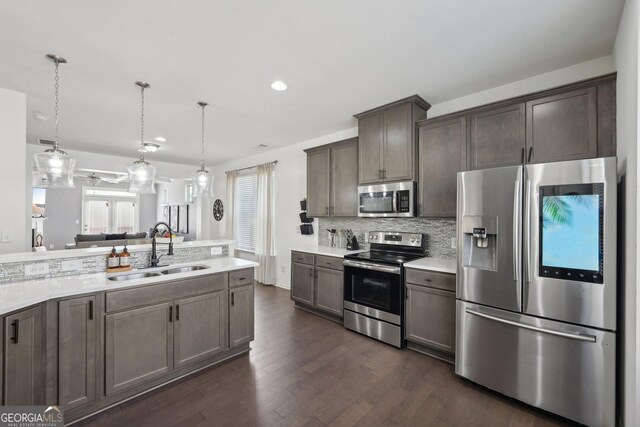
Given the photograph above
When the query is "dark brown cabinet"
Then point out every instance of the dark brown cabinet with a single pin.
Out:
(430, 309)
(199, 328)
(562, 127)
(317, 281)
(332, 179)
(77, 351)
(24, 357)
(387, 141)
(442, 151)
(497, 137)
(241, 316)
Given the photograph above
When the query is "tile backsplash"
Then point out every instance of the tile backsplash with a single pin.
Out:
(439, 231)
(15, 271)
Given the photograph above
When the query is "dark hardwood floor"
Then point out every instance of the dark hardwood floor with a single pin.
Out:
(305, 370)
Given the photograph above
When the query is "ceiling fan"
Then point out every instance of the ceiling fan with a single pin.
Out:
(96, 176)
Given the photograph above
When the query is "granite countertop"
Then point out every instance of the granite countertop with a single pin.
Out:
(325, 250)
(17, 295)
(78, 253)
(434, 264)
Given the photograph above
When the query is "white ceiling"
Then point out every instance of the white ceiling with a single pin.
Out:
(338, 58)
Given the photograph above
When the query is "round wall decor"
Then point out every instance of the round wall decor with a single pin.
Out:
(218, 209)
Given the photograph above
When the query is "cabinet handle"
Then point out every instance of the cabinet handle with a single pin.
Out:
(522, 155)
(530, 154)
(16, 331)
(233, 299)
(384, 174)
(91, 309)
(178, 312)
(326, 210)
(310, 273)
(170, 313)
(427, 280)
(240, 279)
(380, 173)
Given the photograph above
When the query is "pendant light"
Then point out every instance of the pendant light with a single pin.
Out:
(54, 166)
(142, 175)
(202, 179)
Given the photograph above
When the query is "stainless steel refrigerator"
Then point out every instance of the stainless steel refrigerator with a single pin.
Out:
(536, 285)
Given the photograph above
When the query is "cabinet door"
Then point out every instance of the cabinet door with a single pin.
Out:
(76, 352)
(318, 183)
(302, 283)
(399, 144)
(329, 291)
(138, 346)
(370, 146)
(442, 151)
(24, 358)
(562, 127)
(200, 328)
(497, 137)
(430, 317)
(344, 178)
(240, 315)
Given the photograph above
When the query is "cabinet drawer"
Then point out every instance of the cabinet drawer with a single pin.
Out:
(241, 278)
(169, 291)
(329, 262)
(432, 279)
(302, 258)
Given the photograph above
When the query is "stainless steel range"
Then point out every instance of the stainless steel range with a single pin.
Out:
(374, 285)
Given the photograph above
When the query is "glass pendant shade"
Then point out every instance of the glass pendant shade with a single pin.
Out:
(142, 177)
(55, 169)
(202, 182)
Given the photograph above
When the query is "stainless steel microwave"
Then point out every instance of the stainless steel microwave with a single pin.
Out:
(395, 199)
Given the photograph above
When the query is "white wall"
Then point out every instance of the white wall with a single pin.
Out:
(291, 176)
(625, 55)
(562, 76)
(13, 187)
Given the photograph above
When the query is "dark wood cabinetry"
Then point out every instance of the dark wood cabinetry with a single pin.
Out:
(497, 137)
(241, 317)
(430, 310)
(332, 179)
(77, 351)
(442, 150)
(387, 141)
(317, 282)
(25, 357)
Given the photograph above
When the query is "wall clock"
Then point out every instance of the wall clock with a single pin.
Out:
(218, 209)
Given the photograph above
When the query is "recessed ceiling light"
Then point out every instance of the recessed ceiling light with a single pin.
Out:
(160, 139)
(279, 86)
(150, 147)
(41, 117)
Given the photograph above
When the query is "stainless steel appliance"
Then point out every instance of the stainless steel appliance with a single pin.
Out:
(536, 285)
(374, 285)
(395, 199)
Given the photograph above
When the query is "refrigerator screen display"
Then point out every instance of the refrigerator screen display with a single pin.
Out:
(571, 232)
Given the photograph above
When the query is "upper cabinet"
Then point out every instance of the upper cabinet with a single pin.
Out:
(497, 136)
(332, 179)
(387, 141)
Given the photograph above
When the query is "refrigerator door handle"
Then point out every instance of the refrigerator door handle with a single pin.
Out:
(579, 337)
(516, 230)
(527, 225)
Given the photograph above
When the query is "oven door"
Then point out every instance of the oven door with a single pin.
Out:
(374, 290)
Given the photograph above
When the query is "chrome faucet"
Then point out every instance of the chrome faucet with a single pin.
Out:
(155, 259)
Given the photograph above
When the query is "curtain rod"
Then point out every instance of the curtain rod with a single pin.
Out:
(250, 167)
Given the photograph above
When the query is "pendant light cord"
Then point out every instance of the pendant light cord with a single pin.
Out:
(202, 146)
(142, 124)
(56, 138)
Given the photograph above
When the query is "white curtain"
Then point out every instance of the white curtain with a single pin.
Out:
(228, 210)
(265, 226)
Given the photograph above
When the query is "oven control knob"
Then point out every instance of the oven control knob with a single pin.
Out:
(413, 240)
(375, 237)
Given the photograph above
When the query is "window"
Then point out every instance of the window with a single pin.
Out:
(109, 211)
(245, 207)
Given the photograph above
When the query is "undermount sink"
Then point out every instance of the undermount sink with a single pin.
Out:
(133, 276)
(186, 269)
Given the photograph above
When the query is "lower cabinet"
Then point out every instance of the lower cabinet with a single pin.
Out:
(241, 315)
(24, 363)
(430, 311)
(199, 328)
(77, 355)
(138, 346)
(317, 281)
